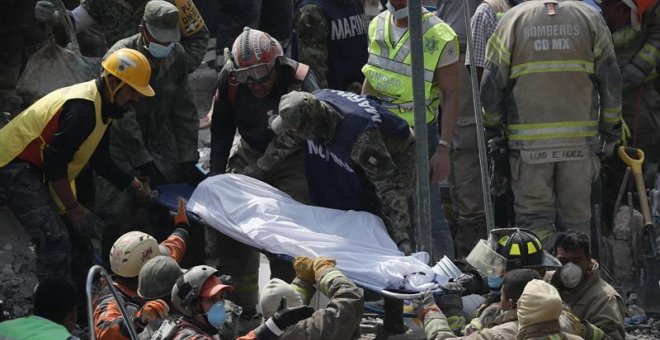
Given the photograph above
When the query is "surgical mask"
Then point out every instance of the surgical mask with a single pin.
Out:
(216, 314)
(495, 283)
(570, 275)
(397, 14)
(158, 50)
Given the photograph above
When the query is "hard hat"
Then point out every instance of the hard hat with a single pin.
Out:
(278, 294)
(132, 68)
(131, 251)
(199, 281)
(157, 277)
(510, 248)
(254, 54)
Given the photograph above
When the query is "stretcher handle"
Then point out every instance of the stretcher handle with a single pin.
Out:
(633, 157)
(96, 270)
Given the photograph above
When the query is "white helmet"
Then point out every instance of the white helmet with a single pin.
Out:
(131, 251)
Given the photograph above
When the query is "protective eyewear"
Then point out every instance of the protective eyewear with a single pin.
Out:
(253, 75)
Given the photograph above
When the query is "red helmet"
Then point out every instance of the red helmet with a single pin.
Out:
(253, 48)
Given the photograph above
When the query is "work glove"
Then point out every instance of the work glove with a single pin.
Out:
(152, 310)
(276, 324)
(322, 265)
(144, 194)
(304, 267)
(181, 218)
(625, 133)
(90, 229)
(607, 150)
(425, 305)
(405, 247)
(631, 75)
(189, 173)
(254, 171)
(466, 284)
(44, 11)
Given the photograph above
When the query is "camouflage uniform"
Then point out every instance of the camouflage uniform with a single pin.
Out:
(312, 30)
(162, 130)
(120, 19)
(385, 163)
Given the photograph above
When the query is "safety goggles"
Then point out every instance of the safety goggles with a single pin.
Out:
(253, 75)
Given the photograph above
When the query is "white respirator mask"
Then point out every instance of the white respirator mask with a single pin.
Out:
(570, 275)
(397, 14)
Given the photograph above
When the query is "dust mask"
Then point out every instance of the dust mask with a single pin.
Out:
(397, 14)
(570, 275)
(216, 315)
(158, 50)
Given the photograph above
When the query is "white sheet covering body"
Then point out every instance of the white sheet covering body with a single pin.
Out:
(259, 215)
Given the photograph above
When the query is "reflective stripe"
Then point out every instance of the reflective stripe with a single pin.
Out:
(502, 51)
(650, 54)
(397, 67)
(408, 106)
(598, 333)
(492, 118)
(404, 50)
(611, 115)
(552, 66)
(552, 130)
(380, 36)
(624, 36)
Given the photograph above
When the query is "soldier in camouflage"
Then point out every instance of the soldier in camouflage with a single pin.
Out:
(359, 156)
(120, 19)
(333, 41)
(158, 138)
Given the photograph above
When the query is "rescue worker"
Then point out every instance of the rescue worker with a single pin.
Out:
(504, 326)
(359, 156)
(45, 147)
(249, 90)
(581, 287)
(482, 24)
(333, 41)
(120, 19)
(468, 217)
(199, 296)
(338, 320)
(635, 26)
(388, 76)
(557, 94)
(539, 309)
(55, 301)
(158, 139)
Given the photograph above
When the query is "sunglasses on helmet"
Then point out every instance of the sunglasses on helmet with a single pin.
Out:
(253, 75)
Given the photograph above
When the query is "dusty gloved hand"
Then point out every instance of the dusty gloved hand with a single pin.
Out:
(44, 11)
(465, 284)
(323, 265)
(607, 150)
(304, 268)
(276, 324)
(631, 75)
(254, 171)
(144, 194)
(425, 305)
(152, 310)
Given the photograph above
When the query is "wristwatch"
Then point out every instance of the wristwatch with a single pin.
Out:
(444, 143)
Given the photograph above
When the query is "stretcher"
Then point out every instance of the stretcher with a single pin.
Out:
(261, 216)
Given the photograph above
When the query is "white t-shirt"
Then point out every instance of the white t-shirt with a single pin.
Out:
(449, 53)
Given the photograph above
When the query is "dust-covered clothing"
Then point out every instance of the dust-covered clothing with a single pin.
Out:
(236, 109)
(533, 59)
(367, 163)
(638, 54)
(108, 321)
(338, 320)
(595, 301)
(120, 19)
(505, 326)
(333, 40)
(549, 330)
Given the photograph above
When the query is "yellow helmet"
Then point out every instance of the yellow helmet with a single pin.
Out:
(132, 68)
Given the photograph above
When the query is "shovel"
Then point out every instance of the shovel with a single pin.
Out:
(649, 290)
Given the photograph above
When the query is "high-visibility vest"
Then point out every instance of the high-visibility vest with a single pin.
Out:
(32, 126)
(389, 70)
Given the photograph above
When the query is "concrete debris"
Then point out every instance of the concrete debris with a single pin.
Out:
(622, 245)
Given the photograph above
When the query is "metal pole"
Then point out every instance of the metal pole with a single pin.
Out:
(423, 204)
(96, 269)
(481, 139)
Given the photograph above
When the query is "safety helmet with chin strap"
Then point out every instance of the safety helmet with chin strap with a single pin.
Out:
(132, 68)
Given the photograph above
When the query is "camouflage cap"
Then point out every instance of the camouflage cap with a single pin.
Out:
(162, 21)
(298, 111)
